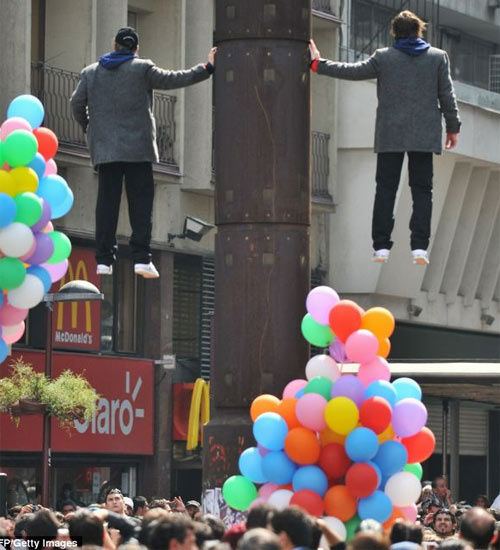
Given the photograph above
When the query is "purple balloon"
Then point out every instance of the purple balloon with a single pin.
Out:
(408, 417)
(349, 386)
(319, 303)
(56, 271)
(44, 218)
(337, 351)
(43, 250)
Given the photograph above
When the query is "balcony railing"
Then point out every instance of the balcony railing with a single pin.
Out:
(54, 88)
(321, 166)
(322, 5)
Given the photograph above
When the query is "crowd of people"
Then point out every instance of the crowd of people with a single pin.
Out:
(136, 524)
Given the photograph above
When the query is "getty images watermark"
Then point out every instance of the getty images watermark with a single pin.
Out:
(39, 543)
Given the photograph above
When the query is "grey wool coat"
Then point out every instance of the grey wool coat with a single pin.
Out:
(115, 107)
(413, 94)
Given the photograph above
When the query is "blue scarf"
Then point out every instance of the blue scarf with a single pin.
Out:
(112, 60)
(411, 46)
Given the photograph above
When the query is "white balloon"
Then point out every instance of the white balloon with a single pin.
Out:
(336, 525)
(322, 365)
(28, 294)
(16, 239)
(12, 333)
(403, 489)
(281, 498)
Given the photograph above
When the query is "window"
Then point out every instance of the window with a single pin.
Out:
(370, 26)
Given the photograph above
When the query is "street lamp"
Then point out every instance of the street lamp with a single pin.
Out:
(74, 291)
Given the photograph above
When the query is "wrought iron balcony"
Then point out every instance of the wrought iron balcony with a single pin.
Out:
(321, 166)
(322, 5)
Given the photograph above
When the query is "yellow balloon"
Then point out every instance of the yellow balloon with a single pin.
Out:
(7, 184)
(341, 415)
(25, 179)
(386, 435)
(378, 320)
(327, 436)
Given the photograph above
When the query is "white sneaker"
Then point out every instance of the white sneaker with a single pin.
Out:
(381, 256)
(103, 269)
(420, 257)
(148, 271)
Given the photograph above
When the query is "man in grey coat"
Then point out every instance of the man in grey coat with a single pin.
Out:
(113, 103)
(414, 90)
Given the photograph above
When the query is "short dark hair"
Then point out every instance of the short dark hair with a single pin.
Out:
(139, 502)
(260, 515)
(478, 527)
(173, 526)
(295, 523)
(43, 524)
(435, 480)
(87, 525)
(127, 39)
(407, 25)
(69, 503)
(149, 521)
(446, 512)
(406, 531)
(259, 539)
(215, 523)
(369, 541)
(453, 544)
(202, 532)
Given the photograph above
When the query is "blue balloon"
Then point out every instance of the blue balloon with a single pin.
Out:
(299, 394)
(379, 472)
(42, 274)
(278, 468)
(377, 506)
(382, 389)
(8, 209)
(270, 430)
(391, 457)
(56, 192)
(4, 350)
(1, 299)
(361, 444)
(38, 164)
(28, 107)
(310, 477)
(407, 387)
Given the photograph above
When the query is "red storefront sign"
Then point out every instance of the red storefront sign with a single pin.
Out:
(77, 325)
(123, 423)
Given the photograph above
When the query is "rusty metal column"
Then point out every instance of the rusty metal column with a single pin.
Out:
(263, 212)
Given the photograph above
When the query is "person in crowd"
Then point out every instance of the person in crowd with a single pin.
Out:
(216, 524)
(114, 502)
(141, 506)
(428, 511)
(68, 506)
(129, 506)
(149, 521)
(193, 508)
(406, 531)
(293, 527)
(368, 541)
(443, 526)
(407, 122)
(482, 502)
(455, 544)
(260, 515)
(259, 538)
(173, 532)
(113, 104)
(478, 528)
(88, 526)
(202, 532)
(41, 524)
(441, 495)
(233, 535)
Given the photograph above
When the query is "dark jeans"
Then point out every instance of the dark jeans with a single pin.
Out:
(139, 186)
(388, 175)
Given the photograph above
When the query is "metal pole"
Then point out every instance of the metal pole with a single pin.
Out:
(445, 437)
(46, 457)
(454, 483)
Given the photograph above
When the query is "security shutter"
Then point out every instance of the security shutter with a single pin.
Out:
(207, 313)
(495, 73)
(473, 430)
(435, 423)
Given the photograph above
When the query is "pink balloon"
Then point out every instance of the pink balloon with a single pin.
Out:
(50, 168)
(377, 369)
(319, 303)
(48, 228)
(262, 450)
(361, 346)
(310, 411)
(293, 387)
(14, 123)
(56, 271)
(257, 501)
(410, 512)
(13, 333)
(10, 315)
(266, 490)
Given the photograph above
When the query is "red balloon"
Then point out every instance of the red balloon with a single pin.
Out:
(310, 501)
(361, 479)
(47, 142)
(375, 413)
(345, 318)
(334, 461)
(419, 446)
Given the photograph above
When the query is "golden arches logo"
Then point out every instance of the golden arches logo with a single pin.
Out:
(80, 273)
(199, 411)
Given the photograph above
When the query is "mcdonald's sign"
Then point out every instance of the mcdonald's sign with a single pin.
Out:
(77, 325)
(199, 413)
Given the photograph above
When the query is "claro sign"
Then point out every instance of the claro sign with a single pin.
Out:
(123, 423)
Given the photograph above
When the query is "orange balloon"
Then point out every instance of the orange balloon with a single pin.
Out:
(396, 515)
(339, 503)
(345, 318)
(387, 435)
(263, 404)
(286, 409)
(302, 446)
(328, 436)
(384, 347)
(380, 321)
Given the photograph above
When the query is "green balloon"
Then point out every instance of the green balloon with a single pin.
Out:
(351, 526)
(29, 208)
(239, 492)
(62, 247)
(19, 148)
(12, 273)
(316, 334)
(415, 469)
(321, 385)
(1, 154)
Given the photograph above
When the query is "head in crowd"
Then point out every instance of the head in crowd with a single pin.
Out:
(126, 40)
(42, 524)
(148, 523)
(293, 527)
(68, 506)
(193, 508)
(368, 541)
(443, 523)
(259, 539)
(141, 506)
(428, 512)
(233, 535)
(482, 502)
(160, 503)
(202, 533)
(478, 527)
(406, 531)
(173, 532)
(407, 25)
(129, 506)
(114, 502)
(14, 511)
(87, 525)
(455, 544)
(260, 515)
(439, 487)
(216, 524)
(20, 528)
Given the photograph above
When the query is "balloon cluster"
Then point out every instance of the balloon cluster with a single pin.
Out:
(32, 254)
(344, 446)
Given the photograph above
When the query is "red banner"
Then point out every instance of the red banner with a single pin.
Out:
(77, 325)
(123, 423)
